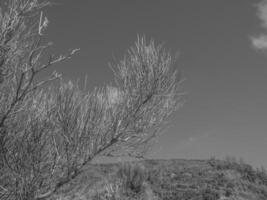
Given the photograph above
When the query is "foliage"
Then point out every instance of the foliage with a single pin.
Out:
(246, 171)
(210, 194)
(48, 131)
(250, 179)
(133, 177)
(194, 180)
(129, 182)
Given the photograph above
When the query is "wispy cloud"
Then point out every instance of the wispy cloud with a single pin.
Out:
(260, 41)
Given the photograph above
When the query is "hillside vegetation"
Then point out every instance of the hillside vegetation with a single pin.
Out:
(169, 180)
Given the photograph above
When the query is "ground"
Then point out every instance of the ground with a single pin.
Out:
(169, 180)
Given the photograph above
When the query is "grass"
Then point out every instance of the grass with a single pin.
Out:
(170, 180)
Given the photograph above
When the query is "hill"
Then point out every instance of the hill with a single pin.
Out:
(169, 180)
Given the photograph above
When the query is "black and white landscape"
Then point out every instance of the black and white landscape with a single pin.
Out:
(133, 99)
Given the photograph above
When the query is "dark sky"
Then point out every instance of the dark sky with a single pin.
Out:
(226, 78)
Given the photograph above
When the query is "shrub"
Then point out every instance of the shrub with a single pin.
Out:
(133, 177)
(210, 194)
(49, 132)
(247, 171)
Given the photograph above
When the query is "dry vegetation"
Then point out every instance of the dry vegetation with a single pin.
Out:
(212, 179)
(51, 129)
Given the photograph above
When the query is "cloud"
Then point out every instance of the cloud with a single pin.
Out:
(260, 42)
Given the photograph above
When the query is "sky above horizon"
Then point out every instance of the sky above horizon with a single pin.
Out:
(222, 54)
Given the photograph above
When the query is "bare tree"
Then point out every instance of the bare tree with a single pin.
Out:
(48, 134)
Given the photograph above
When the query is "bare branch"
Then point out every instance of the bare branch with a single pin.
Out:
(49, 133)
